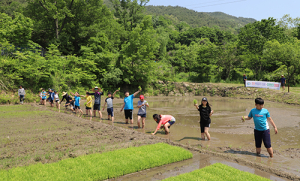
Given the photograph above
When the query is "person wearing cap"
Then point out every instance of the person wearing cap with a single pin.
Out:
(128, 106)
(142, 105)
(109, 102)
(97, 94)
(205, 114)
(67, 97)
(41, 96)
(21, 94)
(283, 82)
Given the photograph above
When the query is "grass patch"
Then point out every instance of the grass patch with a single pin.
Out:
(217, 171)
(101, 166)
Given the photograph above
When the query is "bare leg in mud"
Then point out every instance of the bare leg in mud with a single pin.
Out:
(166, 126)
(205, 134)
(270, 151)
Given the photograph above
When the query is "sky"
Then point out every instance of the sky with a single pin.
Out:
(257, 9)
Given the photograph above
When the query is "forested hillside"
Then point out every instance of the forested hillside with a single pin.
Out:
(198, 19)
(88, 44)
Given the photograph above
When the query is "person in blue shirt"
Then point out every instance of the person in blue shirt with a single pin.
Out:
(128, 106)
(77, 102)
(261, 117)
(283, 82)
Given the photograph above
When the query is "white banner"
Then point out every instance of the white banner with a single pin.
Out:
(263, 84)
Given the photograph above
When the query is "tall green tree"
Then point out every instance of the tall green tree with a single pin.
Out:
(286, 55)
(66, 22)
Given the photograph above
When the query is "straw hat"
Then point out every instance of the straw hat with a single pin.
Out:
(64, 93)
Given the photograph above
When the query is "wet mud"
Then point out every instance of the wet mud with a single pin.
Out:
(33, 133)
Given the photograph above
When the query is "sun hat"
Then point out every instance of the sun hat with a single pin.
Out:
(141, 97)
(282, 75)
(96, 87)
(204, 99)
(64, 93)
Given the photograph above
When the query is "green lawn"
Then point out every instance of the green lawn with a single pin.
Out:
(217, 172)
(101, 166)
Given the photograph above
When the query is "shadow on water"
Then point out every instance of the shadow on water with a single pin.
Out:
(189, 138)
(245, 153)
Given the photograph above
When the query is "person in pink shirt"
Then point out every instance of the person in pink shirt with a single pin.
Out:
(166, 120)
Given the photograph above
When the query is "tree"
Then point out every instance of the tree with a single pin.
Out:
(66, 22)
(284, 54)
(138, 54)
(251, 41)
(16, 30)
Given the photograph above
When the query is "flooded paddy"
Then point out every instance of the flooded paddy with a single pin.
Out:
(228, 133)
(32, 133)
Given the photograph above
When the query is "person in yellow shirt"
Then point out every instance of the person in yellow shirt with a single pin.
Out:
(89, 104)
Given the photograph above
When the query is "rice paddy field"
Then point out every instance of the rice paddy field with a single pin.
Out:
(42, 143)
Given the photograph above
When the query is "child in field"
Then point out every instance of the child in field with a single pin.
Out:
(142, 105)
(77, 102)
(166, 120)
(56, 99)
(110, 109)
(71, 103)
(41, 96)
(89, 104)
(128, 106)
(205, 114)
(67, 97)
(51, 96)
(97, 94)
(21, 94)
(260, 117)
(44, 96)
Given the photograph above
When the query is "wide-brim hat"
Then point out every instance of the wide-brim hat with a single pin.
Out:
(64, 93)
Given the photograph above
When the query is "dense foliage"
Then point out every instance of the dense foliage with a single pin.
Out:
(77, 44)
(101, 166)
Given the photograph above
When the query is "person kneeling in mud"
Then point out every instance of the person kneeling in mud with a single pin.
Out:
(166, 120)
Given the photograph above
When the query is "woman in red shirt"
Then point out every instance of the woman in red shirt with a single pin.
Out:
(166, 120)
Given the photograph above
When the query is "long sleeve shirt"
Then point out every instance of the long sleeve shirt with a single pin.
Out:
(21, 92)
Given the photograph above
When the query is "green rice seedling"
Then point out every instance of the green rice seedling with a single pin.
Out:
(217, 172)
(100, 166)
(195, 101)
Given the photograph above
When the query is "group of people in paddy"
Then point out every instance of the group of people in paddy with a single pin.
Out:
(260, 115)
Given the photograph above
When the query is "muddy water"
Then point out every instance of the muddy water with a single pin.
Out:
(197, 162)
(228, 133)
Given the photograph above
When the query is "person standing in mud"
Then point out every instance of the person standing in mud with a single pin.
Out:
(109, 102)
(261, 117)
(21, 94)
(97, 94)
(205, 114)
(142, 105)
(128, 106)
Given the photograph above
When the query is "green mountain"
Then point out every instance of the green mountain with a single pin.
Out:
(197, 19)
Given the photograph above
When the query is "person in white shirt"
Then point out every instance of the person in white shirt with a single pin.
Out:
(21, 94)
